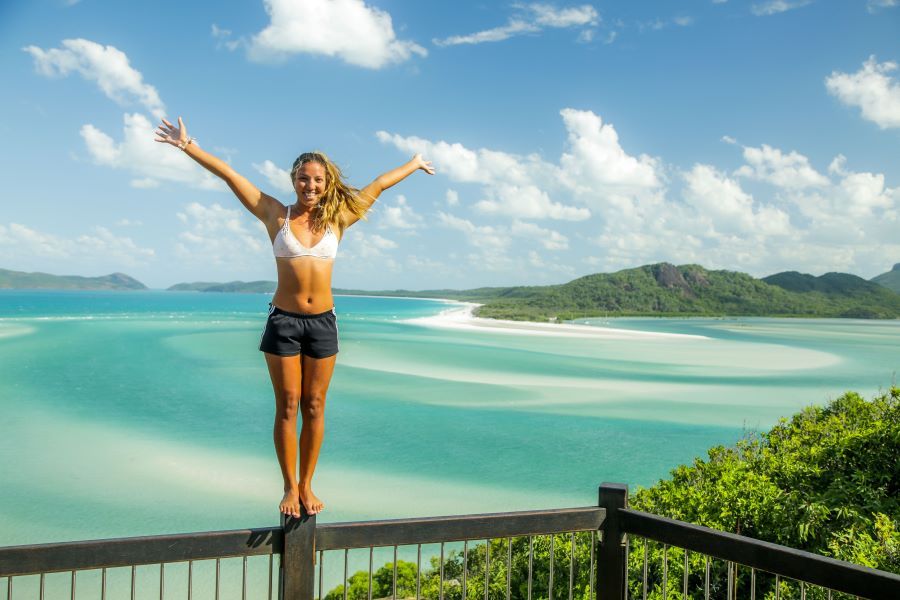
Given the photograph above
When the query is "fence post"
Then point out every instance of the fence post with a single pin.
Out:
(298, 563)
(612, 560)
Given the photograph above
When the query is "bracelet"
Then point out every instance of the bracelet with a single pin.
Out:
(187, 143)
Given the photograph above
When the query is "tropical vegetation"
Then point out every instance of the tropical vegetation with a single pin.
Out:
(826, 481)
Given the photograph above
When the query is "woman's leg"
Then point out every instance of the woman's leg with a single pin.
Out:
(285, 373)
(316, 377)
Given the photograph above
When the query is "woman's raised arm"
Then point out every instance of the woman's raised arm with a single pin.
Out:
(370, 193)
(263, 206)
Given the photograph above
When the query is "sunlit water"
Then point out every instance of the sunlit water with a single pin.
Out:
(151, 412)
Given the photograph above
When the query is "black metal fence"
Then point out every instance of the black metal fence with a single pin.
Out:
(604, 552)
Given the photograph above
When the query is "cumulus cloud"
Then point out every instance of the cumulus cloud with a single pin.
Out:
(549, 239)
(874, 6)
(106, 66)
(783, 170)
(100, 247)
(350, 30)
(796, 217)
(764, 9)
(595, 171)
(872, 89)
(452, 198)
(729, 209)
(399, 215)
(219, 236)
(507, 180)
(278, 178)
(147, 160)
(531, 18)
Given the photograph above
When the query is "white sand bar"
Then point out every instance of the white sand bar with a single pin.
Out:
(462, 318)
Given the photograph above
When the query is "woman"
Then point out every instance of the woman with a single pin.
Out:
(300, 338)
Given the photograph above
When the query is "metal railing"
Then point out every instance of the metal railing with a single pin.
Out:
(604, 552)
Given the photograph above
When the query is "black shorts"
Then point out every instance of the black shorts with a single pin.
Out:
(290, 334)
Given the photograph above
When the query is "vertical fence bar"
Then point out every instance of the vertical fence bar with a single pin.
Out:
(753, 584)
(571, 566)
(269, 594)
(394, 588)
(162, 581)
(133, 573)
(687, 570)
(244, 581)
(465, 566)
(611, 563)
(191, 579)
(346, 552)
(644, 571)
(591, 580)
(42, 588)
(729, 593)
(665, 581)
(441, 584)
(321, 572)
(418, 571)
(508, 566)
(371, 552)
(218, 574)
(487, 568)
(299, 556)
(550, 585)
(706, 584)
(530, 563)
(777, 587)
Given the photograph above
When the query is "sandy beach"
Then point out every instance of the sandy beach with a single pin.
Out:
(463, 318)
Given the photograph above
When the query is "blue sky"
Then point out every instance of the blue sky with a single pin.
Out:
(569, 138)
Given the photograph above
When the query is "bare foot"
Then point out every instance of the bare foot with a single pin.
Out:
(310, 501)
(290, 503)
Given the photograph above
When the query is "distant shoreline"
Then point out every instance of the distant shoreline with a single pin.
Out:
(464, 319)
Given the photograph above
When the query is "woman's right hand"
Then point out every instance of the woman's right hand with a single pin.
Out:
(169, 134)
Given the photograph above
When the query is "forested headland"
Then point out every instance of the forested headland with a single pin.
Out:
(827, 481)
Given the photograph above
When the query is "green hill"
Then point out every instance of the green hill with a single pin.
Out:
(690, 290)
(890, 280)
(45, 281)
(247, 287)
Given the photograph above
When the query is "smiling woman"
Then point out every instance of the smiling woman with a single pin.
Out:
(300, 339)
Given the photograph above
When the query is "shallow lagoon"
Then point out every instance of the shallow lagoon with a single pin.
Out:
(145, 413)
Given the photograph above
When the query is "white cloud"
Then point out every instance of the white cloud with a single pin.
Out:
(874, 6)
(147, 160)
(549, 239)
(350, 30)
(773, 7)
(98, 247)
(597, 167)
(531, 18)
(107, 66)
(484, 237)
(595, 170)
(398, 216)
(507, 179)
(727, 208)
(220, 236)
(452, 198)
(278, 178)
(871, 89)
(783, 170)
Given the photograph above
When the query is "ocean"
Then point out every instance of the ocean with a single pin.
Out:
(140, 413)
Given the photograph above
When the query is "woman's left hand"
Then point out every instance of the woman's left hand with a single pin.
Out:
(423, 164)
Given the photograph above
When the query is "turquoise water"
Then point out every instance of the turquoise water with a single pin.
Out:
(150, 412)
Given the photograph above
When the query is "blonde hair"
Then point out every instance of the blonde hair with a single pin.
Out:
(338, 196)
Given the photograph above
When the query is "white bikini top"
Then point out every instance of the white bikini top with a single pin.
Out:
(286, 245)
